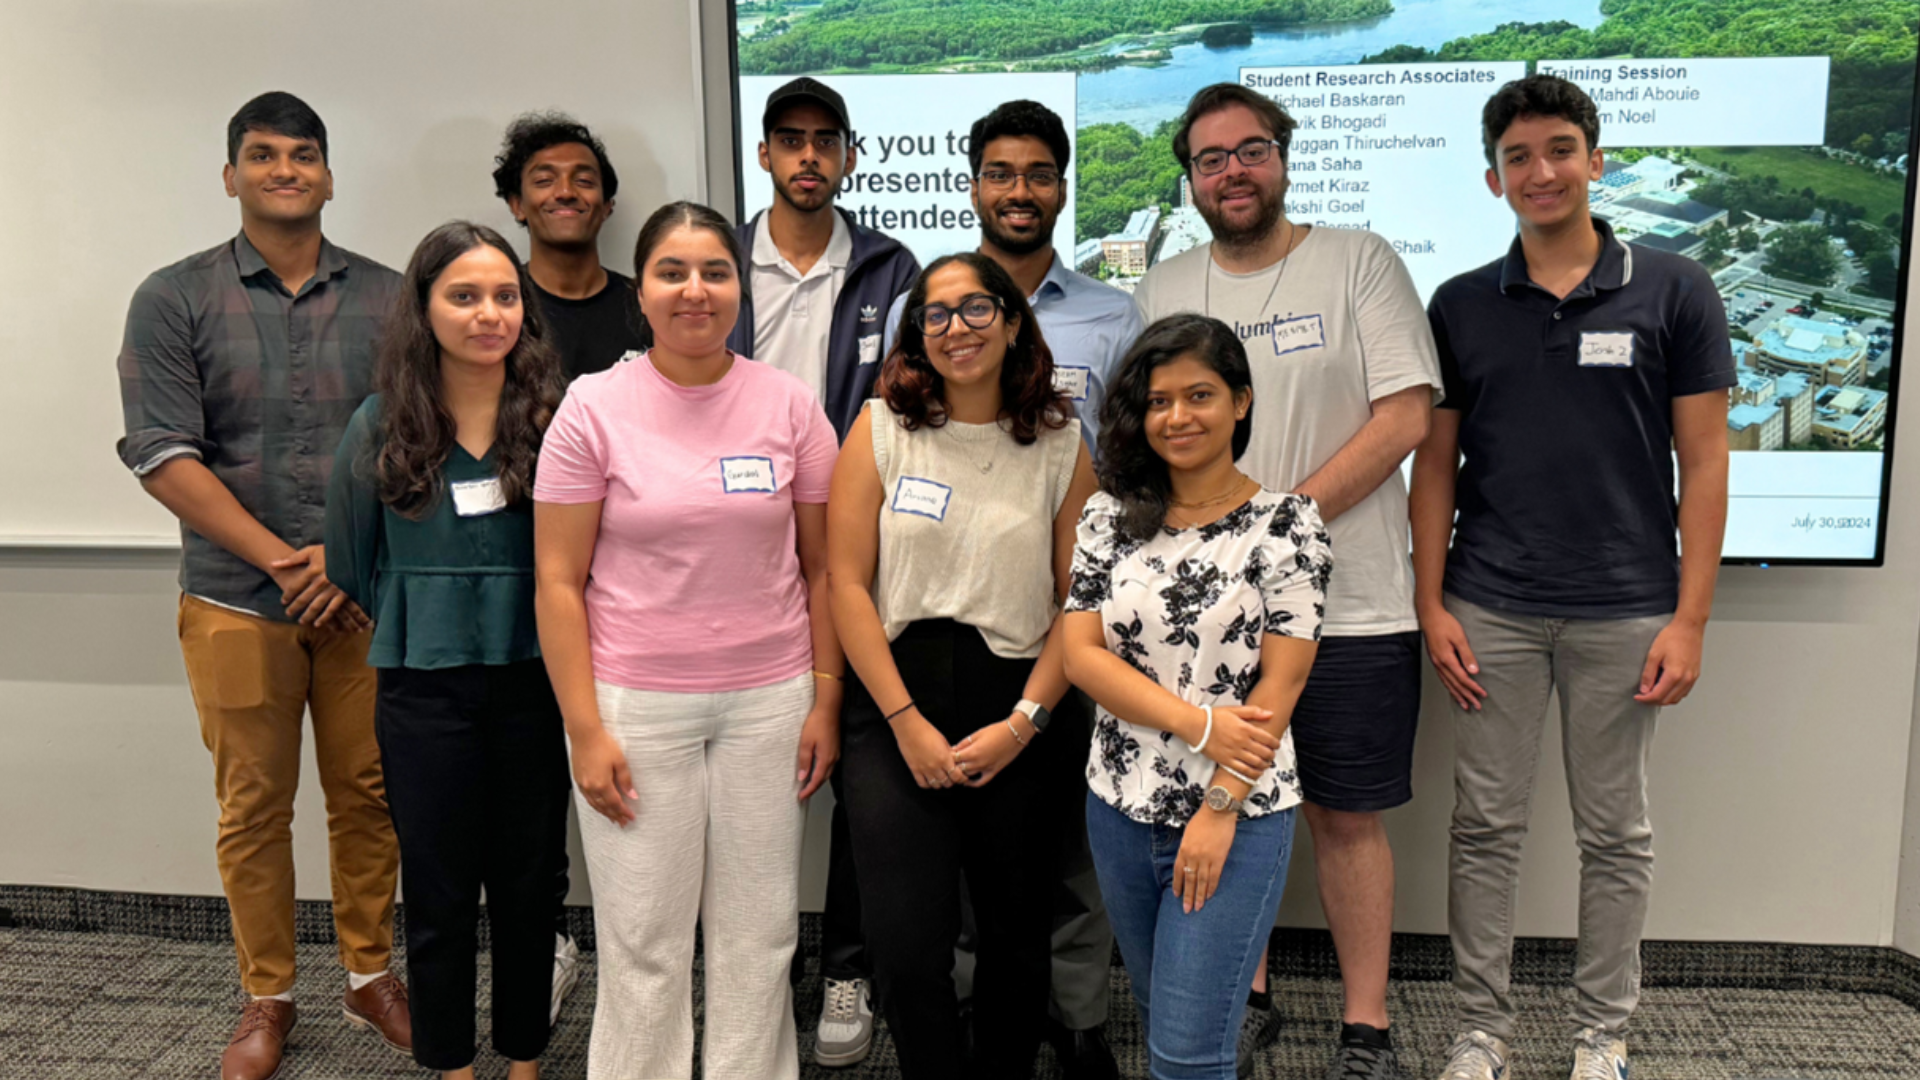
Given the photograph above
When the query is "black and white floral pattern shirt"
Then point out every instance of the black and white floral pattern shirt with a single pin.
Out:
(1188, 609)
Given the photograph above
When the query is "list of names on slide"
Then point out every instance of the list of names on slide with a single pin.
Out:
(1395, 148)
(1762, 101)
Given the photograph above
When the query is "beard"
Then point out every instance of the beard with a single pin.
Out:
(1014, 244)
(790, 193)
(1244, 232)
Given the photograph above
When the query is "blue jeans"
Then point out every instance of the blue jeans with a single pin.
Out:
(1189, 971)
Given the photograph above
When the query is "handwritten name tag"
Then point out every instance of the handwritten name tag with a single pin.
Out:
(740, 474)
(913, 495)
(1606, 350)
(1073, 380)
(1292, 335)
(870, 349)
(477, 498)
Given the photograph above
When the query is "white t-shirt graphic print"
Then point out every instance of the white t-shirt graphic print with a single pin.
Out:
(1344, 328)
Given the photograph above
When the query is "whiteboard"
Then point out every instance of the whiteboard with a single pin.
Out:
(115, 134)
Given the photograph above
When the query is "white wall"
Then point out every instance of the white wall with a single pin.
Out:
(1780, 788)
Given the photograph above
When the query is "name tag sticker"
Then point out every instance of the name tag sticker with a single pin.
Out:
(1304, 332)
(870, 349)
(742, 474)
(1073, 380)
(478, 498)
(913, 495)
(1606, 350)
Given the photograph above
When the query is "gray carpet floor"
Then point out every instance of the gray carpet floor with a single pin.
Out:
(94, 1006)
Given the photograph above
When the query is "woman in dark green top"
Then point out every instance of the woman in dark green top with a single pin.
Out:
(430, 530)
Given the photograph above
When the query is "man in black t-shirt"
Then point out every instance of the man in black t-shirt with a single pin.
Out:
(1577, 368)
(557, 181)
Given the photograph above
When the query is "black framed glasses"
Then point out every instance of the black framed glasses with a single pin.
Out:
(1037, 179)
(977, 311)
(1252, 153)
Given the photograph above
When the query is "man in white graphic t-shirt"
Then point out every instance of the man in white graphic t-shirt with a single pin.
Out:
(1344, 380)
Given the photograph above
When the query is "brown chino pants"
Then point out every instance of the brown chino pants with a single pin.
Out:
(253, 680)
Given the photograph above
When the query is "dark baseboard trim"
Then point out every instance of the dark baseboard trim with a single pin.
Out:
(1295, 953)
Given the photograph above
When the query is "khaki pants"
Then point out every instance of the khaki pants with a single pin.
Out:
(253, 680)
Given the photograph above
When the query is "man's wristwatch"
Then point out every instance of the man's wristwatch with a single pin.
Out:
(1035, 713)
(1222, 800)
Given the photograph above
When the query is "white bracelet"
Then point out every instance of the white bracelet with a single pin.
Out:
(1240, 776)
(1205, 735)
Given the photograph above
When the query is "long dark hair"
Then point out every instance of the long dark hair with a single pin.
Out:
(416, 430)
(1129, 469)
(914, 389)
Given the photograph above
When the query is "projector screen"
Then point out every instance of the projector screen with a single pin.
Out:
(1767, 140)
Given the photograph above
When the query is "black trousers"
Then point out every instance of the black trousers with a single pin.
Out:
(843, 948)
(476, 775)
(911, 846)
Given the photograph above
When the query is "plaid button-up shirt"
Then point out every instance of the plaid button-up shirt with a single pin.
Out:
(222, 363)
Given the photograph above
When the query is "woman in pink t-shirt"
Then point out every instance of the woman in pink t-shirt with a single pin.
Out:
(680, 547)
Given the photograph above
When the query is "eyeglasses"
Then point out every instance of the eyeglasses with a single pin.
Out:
(1251, 153)
(1037, 179)
(934, 320)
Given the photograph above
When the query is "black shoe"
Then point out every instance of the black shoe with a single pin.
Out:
(1365, 1063)
(1084, 1055)
(1258, 1030)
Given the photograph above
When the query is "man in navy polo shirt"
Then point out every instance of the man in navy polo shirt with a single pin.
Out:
(1577, 368)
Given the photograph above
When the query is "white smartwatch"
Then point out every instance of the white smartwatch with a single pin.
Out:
(1035, 713)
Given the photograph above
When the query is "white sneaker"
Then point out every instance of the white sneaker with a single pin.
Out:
(566, 973)
(1599, 1055)
(1476, 1055)
(845, 1034)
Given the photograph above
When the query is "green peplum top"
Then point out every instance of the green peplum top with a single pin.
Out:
(444, 591)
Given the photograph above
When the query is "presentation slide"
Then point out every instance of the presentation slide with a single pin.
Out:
(1768, 142)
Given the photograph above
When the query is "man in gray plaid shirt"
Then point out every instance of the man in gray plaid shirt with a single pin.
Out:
(240, 368)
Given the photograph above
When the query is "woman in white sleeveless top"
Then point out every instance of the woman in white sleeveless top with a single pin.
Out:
(951, 530)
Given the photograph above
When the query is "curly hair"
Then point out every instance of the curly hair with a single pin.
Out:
(1129, 469)
(914, 389)
(1537, 95)
(416, 430)
(531, 133)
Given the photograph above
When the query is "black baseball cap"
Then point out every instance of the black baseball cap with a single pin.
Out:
(804, 89)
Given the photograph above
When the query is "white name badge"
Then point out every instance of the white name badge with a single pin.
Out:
(477, 498)
(913, 495)
(740, 474)
(870, 349)
(1292, 335)
(1606, 350)
(1072, 380)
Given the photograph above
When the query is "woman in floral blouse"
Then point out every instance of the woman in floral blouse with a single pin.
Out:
(1193, 618)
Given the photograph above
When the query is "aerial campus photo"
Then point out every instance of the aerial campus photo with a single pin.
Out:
(1803, 234)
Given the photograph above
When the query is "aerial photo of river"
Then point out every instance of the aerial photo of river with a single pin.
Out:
(1144, 96)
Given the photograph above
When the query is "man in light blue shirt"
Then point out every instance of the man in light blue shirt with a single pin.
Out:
(1019, 152)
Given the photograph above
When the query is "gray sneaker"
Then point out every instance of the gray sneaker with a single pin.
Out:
(1476, 1055)
(566, 974)
(1365, 1063)
(845, 1034)
(1599, 1055)
(1259, 1029)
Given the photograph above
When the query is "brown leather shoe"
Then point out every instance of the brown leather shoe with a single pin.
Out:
(382, 1006)
(259, 1044)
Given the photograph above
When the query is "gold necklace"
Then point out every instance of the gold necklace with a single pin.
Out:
(1239, 482)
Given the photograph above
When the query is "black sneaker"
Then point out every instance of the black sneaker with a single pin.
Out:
(1365, 1063)
(1259, 1029)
